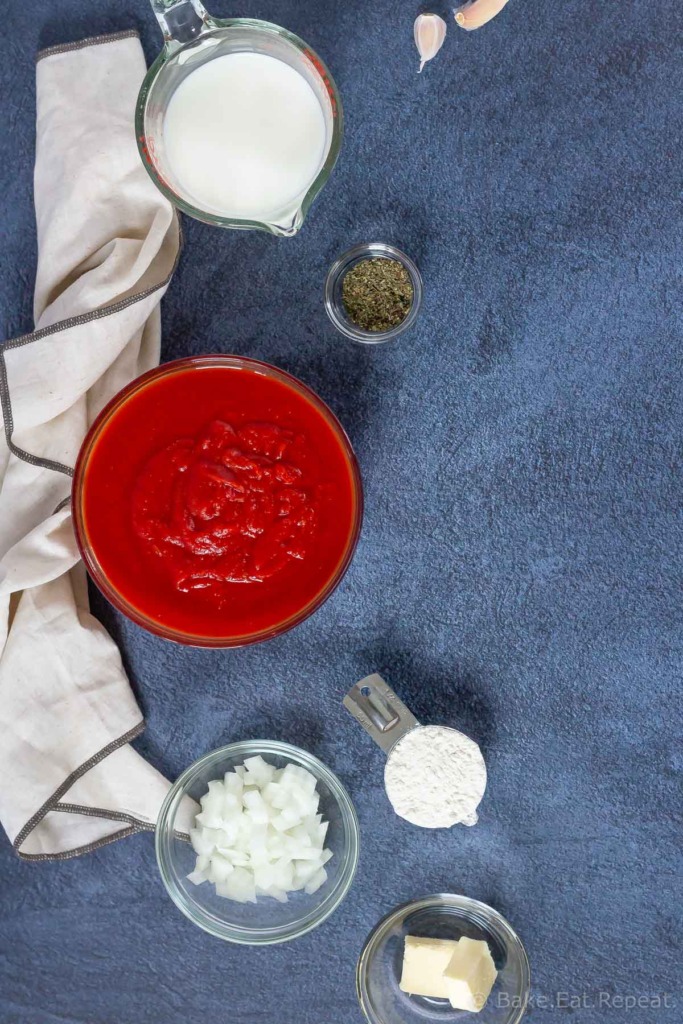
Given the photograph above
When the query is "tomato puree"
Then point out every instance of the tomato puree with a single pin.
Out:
(218, 501)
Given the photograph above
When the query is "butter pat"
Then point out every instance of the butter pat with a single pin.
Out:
(469, 975)
(424, 963)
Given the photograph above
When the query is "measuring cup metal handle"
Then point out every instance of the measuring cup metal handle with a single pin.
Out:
(380, 711)
(181, 21)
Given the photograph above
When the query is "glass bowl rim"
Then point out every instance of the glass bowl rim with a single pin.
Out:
(341, 266)
(164, 832)
(90, 559)
(321, 178)
(437, 900)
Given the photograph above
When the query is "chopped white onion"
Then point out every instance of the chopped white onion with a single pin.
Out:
(259, 833)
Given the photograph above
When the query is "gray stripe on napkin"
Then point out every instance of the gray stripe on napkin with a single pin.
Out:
(64, 325)
(111, 37)
(135, 825)
(53, 804)
(8, 420)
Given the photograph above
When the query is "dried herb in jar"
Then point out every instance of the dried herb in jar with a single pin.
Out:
(377, 294)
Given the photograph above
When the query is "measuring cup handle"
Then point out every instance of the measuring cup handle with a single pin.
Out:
(381, 713)
(181, 21)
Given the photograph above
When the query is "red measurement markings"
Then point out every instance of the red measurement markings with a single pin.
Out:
(148, 151)
(317, 64)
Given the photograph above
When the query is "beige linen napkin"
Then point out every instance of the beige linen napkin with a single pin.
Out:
(107, 242)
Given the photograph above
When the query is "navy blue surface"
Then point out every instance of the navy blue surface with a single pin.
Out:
(519, 573)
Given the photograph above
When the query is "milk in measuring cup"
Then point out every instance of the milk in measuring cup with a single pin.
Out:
(244, 136)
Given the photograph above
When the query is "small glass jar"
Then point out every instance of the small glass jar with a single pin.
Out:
(334, 303)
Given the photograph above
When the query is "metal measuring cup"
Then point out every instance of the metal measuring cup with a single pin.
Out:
(386, 719)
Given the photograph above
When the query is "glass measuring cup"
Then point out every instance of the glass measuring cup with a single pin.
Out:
(192, 38)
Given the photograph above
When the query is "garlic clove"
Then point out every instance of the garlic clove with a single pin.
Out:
(430, 32)
(476, 13)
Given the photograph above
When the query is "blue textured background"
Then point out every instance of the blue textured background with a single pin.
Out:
(519, 574)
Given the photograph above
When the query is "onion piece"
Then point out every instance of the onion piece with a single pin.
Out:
(318, 879)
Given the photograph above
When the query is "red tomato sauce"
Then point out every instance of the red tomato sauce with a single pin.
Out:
(219, 502)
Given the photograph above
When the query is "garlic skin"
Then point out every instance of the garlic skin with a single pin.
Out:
(476, 13)
(429, 32)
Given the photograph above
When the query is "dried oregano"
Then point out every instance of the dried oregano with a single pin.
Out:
(377, 294)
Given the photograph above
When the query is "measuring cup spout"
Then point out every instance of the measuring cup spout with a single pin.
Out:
(289, 227)
(181, 21)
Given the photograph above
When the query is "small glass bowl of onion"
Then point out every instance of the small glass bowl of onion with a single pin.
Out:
(263, 919)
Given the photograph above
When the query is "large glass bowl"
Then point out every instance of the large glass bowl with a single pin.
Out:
(89, 555)
(441, 916)
(266, 921)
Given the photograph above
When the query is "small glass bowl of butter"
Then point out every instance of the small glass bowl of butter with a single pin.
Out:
(439, 917)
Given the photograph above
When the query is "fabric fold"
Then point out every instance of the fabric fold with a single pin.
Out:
(108, 242)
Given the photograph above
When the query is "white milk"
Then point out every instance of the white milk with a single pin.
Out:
(244, 136)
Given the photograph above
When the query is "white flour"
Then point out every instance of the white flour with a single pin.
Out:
(435, 777)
